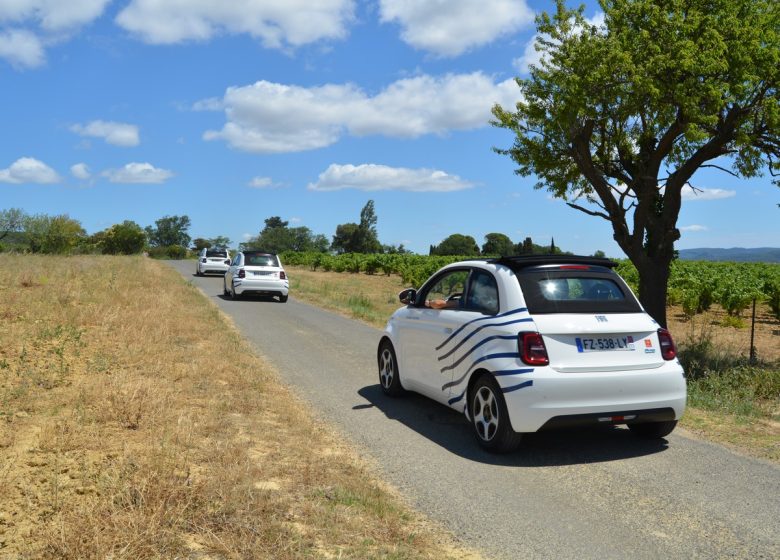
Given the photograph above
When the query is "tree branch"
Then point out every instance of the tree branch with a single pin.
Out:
(589, 212)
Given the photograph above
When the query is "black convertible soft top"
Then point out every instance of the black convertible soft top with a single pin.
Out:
(518, 262)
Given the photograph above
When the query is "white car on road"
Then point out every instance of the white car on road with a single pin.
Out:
(212, 260)
(520, 344)
(256, 272)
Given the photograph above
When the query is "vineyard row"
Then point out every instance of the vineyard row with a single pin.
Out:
(695, 285)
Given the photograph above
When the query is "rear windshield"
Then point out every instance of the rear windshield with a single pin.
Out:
(260, 259)
(216, 253)
(572, 291)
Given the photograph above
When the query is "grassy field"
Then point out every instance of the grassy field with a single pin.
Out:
(730, 401)
(136, 423)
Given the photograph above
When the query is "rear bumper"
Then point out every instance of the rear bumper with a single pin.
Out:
(557, 399)
(213, 267)
(261, 287)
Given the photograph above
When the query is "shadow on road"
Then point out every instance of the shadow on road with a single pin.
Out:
(451, 430)
(250, 299)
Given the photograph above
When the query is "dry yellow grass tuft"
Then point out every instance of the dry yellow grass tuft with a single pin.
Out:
(136, 423)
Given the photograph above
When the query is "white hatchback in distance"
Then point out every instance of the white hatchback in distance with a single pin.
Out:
(256, 272)
(212, 260)
(520, 344)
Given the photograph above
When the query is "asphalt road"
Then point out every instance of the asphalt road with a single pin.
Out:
(585, 494)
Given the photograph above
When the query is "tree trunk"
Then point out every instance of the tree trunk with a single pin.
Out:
(653, 282)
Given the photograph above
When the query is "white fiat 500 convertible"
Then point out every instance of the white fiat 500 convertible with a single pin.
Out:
(520, 344)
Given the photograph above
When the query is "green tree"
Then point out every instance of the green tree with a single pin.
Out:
(526, 247)
(618, 118)
(200, 243)
(169, 231)
(367, 239)
(498, 244)
(11, 221)
(127, 238)
(53, 234)
(456, 244)
(599, 254)
(219, 242)
(277, 237)
(345, 238)
(358, 238)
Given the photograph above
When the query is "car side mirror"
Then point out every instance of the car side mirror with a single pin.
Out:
(408, 296)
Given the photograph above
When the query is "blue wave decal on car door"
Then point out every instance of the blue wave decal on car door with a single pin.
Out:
(475, 347)
(480, 328)
(516, 387)
(463, 326)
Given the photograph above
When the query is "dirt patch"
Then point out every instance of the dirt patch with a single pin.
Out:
(717, 325)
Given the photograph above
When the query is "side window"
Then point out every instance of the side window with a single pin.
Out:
(483, 293)
(236, 260)
(449, 287)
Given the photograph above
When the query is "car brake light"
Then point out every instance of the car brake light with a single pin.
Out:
(668, 349)
(242, 273)
(282, 275)
(532, 349)
(203, 260)
(227, 261)
(574, 267)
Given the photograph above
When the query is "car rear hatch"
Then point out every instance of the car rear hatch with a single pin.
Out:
(588, 318)
(263, 272)
(600, 342)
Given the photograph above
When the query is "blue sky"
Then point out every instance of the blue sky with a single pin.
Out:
(232, 112)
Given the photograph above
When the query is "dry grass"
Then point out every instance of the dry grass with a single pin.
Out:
(753, 435)
(126, 432)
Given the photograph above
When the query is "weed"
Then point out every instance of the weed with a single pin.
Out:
(733, 321)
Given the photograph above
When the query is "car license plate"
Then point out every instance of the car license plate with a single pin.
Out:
(605, 344)
(262, 273)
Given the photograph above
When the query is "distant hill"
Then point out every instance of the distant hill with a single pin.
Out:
(736, 254)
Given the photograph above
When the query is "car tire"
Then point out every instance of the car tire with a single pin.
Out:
(389, 378)
(233, 294)
(283, 299)
(198, 272)
(490, 418)
(653, 430)
(225, 291)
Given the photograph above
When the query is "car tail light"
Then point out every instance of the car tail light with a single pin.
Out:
(668, 349)
(532, 349)
(282, 275)
(241, 273)
(203, 260)
(227, 261)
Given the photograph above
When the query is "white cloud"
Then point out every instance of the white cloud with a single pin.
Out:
(531, 56)
(138, 173)
(694, 228)
(689, 193)
(21, 48)
(28, 170)
(372, 177)
(267, 117)
(118, 134)
(276, 23)
(263, 183)
(52, 15)
(27, 26)
(451, 27)
(80, 171)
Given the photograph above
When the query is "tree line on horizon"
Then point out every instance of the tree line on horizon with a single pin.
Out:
(169, 238)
